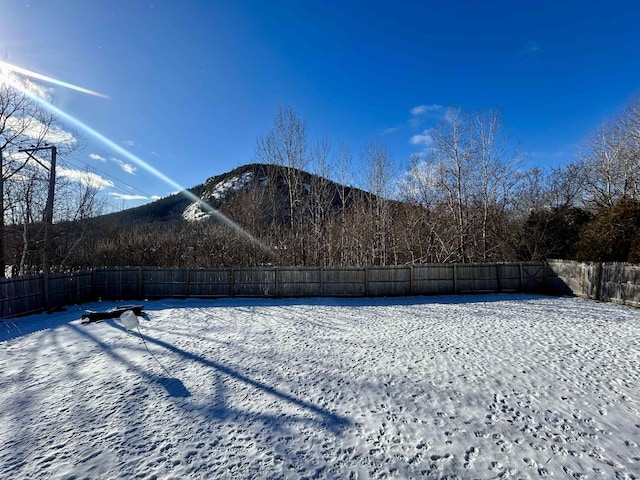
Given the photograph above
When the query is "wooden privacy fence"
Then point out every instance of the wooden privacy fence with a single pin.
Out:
(22, 295)
(609, 282)
(30, 294)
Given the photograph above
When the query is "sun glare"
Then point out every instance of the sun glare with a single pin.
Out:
(7, 67)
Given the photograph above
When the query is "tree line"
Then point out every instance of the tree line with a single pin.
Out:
(467, 198)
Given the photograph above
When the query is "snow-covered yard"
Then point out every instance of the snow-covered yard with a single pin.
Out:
(483, 386)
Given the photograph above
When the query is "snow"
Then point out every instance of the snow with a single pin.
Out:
(484, 386)
(220, 190)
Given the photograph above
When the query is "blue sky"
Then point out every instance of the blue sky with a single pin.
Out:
(192, 84)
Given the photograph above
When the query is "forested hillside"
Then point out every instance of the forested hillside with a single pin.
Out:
(468, 199)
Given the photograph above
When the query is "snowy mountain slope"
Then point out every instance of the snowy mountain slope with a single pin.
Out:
(220, 191)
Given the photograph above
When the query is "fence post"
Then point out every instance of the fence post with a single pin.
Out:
(455, 278)
(45, 290)
(93, 285)
(140, 283)
(366, 281)
(521, 268)
(411, 280)
(233, 282)
(598, 281)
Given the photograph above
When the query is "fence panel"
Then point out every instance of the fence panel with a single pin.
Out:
(476, 278)
(118, 283)
(564, 277)
(509, 277)
(388, 281)
(164, 282)
(210, 283)
(621, 284)
(70, 288)
(299, 282)
(344, 282)
(21, 295)
(254, 282)
(433, 280)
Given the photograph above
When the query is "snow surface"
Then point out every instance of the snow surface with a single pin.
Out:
(484, 386)
(220, 190)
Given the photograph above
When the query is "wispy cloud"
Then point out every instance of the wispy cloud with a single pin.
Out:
(126, 167)
(127, 196)
(420, 110)
(129, 143)
(390, 130)
(89, 179)
(59, 136)
(95, 156)
(424, 139)
(155, 197)
(36, 130)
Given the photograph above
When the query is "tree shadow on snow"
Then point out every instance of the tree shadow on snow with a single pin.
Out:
(173, 386)
(326, 418)
(221, 410)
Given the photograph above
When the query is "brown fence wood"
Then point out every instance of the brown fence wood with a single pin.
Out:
(27, 294)
(613, 282)
(610, 282)
(23, 295)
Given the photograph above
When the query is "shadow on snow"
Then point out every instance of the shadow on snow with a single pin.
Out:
(221, 411)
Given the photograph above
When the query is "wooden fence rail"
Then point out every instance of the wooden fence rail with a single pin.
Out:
(24, 295)
(609, 282)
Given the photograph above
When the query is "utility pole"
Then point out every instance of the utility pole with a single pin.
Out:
(2, 256)
(48, 211)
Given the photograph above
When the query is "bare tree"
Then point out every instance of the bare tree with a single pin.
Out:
(452, 158)
(285, 145)
(607, 172)
(467, 185)
(22, 121)
(379, 174)
(495, 180)
(320, 203)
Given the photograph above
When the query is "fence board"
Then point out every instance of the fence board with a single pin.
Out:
(344, 282)
(118, 283)
(433, 280)
(210, 283)
(388, 281)
(299, 282)
(164, 282)
(254, 282)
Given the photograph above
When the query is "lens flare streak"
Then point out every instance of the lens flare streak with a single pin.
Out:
(117, 148)
(23, 71)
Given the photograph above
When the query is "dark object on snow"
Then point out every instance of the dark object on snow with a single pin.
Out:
(114, 313)
(56, 308)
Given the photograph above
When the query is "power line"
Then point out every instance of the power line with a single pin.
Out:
(102, 172)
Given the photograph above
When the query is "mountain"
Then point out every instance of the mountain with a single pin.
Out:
(268, 215)
(224, 191)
